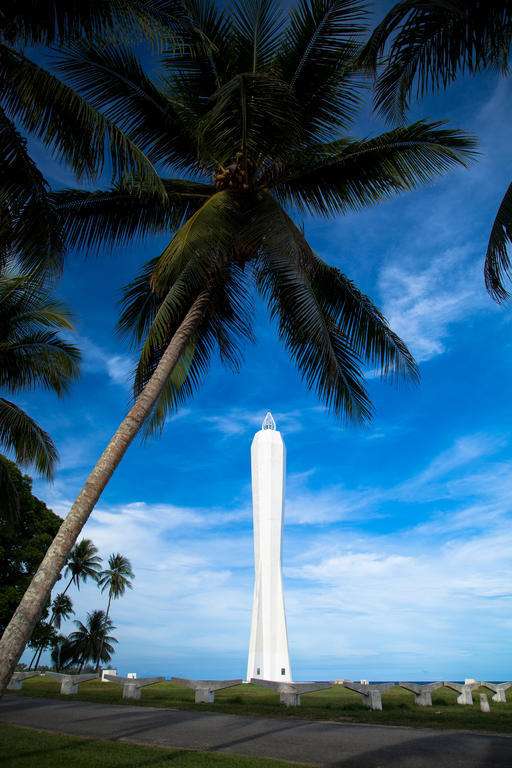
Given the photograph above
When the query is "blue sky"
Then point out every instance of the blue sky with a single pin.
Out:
(397, 544)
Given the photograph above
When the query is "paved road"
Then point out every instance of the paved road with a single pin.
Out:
(332, 745)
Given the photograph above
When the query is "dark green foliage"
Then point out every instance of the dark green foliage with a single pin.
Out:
(90, 641)
(43, 637)
(23, 542)
(35, 101)
(83, 563)
(63, 653)
(32, 355)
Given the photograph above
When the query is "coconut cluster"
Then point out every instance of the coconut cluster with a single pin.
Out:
(234, 176)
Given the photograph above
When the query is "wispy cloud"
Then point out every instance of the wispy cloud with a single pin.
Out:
(96, 359)
(422, 305)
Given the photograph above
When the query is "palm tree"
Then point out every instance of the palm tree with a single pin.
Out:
(63, 653)
(32, 354)
(83, 563)
(62, 608)
(36, 102)
(431, 43)
(90, 640)
(254, 109)
(115, 578)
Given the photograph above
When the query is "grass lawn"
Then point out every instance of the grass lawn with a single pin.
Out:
(336, 703)
(27, 748)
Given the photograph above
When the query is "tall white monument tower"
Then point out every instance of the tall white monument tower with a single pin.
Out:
(268, 648)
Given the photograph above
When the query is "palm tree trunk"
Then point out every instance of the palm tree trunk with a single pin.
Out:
(33, 658)
(98, 661)
(39, 657)
(21, 626)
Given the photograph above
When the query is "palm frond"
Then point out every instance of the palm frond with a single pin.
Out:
(29, 443)
(328, 326)
(40, 103)
(257, 25)
(361, 323)
(322, 353)
(120, 215)
(49, 22)
(498, 266)
(226, 326)
(317, 60)
(38, 360)
(31, 352)
(185, 264)
(114, 81)
(29, 229)
(205, 60)
(351, 174)
(428, 43)
(255, 113)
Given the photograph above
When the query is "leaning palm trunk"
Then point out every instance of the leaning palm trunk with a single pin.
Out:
(21, 626)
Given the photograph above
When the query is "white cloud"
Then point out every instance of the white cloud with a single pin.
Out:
(421, 305)
(97, 360)
(237, 421)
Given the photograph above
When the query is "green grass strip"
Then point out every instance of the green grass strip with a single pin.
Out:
(27, 748)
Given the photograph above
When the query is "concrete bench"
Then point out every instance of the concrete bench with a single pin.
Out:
(205, 689)
(70, 683)
(422, 693)
(131, 685)
(464, 690)
(372, 694)
(498, 689)
(18, 678)
(289, 693)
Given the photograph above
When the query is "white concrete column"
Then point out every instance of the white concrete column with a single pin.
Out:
(268, 647)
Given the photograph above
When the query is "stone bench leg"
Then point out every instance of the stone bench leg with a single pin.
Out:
(68, 687)
(373, 700)
(131, 692)
(204, 696)
(423, 699)
(484, 704)
(289, 699)
(465, 697)
(500, 696)
(14, 685)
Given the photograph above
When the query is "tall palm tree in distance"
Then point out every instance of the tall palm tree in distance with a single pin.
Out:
(62, 608)
(90, 640)
(248, 121)
(83, 563)
(115, 578)
(427, 45)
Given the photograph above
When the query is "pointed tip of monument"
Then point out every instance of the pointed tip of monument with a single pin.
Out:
(268, 422)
